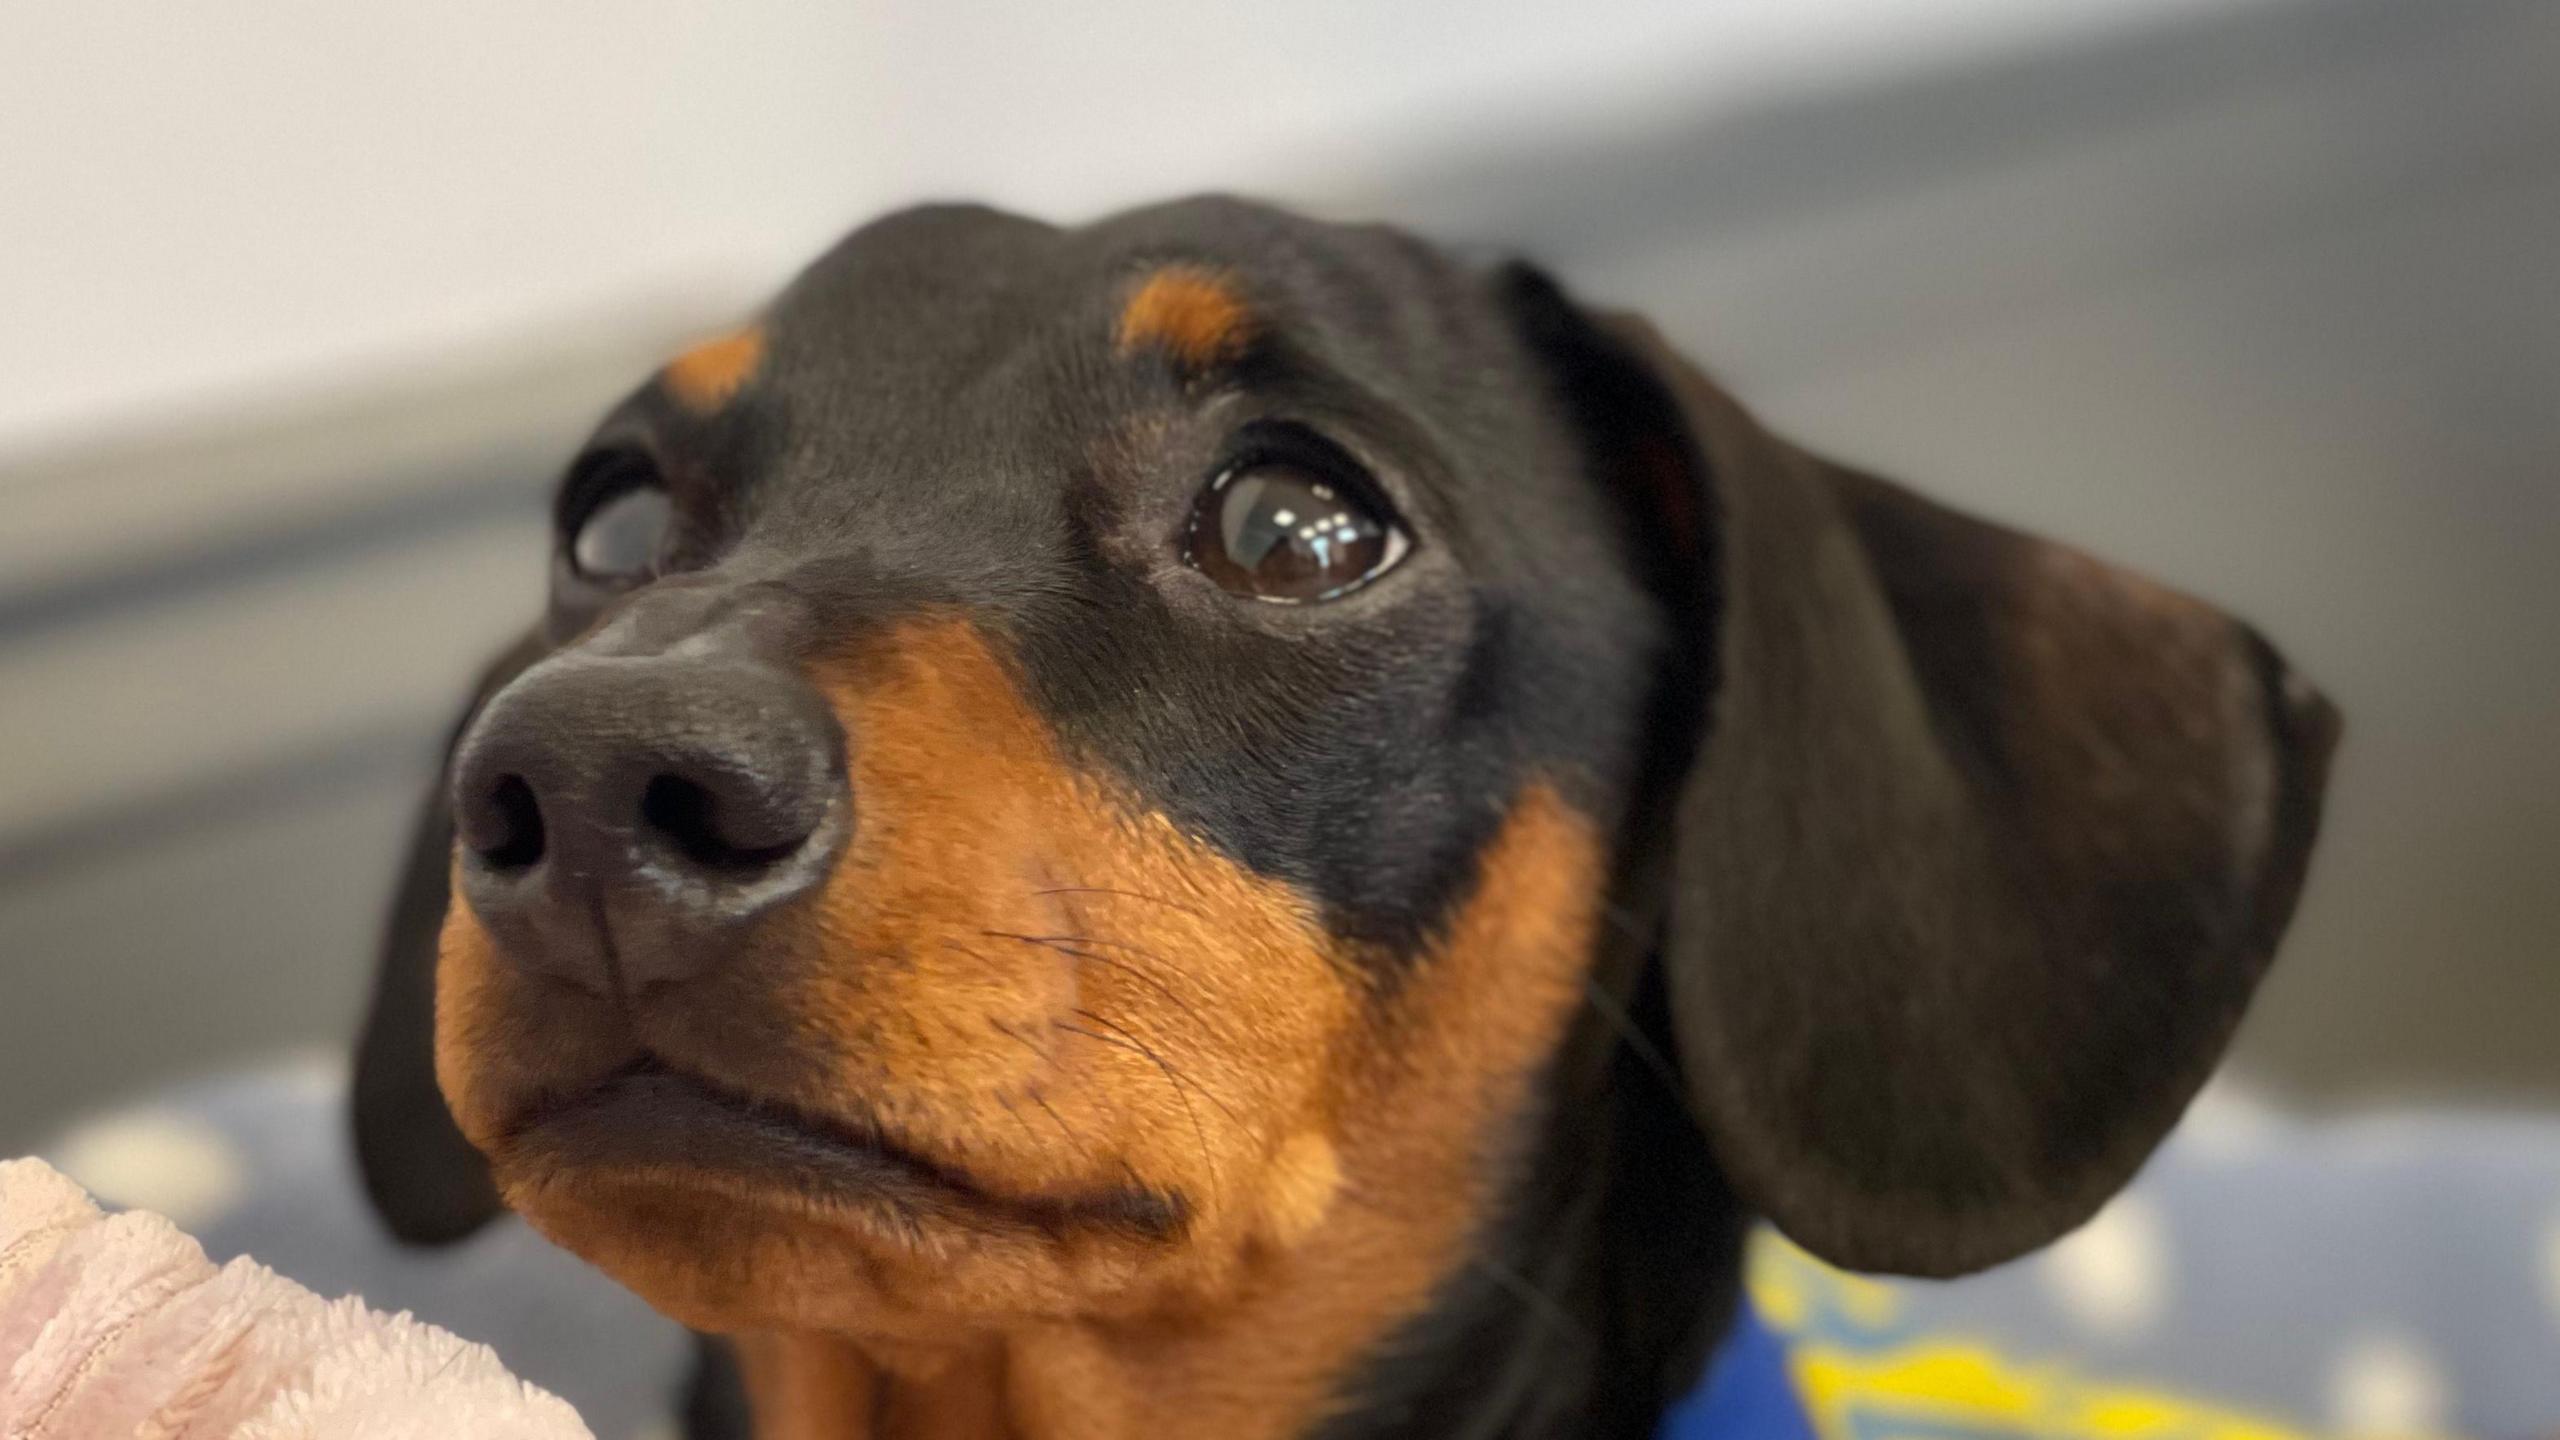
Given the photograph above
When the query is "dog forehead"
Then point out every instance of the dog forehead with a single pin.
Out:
(937, 272)
(940, 294)
(965, 364)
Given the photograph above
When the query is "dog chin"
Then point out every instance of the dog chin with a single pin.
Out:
(725, 1255)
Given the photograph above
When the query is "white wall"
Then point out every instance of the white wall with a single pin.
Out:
(201, 204)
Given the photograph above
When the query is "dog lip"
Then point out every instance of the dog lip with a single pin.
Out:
(649, 1119)
(650, 1114)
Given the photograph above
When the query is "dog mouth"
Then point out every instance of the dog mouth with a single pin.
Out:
(654, 1125)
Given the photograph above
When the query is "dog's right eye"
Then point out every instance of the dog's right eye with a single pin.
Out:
(1294, 520)
(618, 520)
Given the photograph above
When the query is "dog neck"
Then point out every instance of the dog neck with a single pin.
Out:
(819, 1387)
(1583, 1307)
(1593, 1301)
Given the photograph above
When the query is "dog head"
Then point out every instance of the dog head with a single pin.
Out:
(1097, 775)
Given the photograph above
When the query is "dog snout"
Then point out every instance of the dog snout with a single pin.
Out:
(623, 817)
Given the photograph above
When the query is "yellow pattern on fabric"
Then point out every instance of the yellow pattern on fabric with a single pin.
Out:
(1864, 1374)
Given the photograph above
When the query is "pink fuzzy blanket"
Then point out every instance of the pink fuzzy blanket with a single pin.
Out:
(119, 1326)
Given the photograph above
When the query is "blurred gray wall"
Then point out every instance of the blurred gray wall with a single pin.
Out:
(2263, 301)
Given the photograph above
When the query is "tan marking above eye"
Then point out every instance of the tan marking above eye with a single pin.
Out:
(1190, 312)
(710, 374)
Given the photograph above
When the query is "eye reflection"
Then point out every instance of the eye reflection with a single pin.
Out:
(620, 540)
(1281, 532)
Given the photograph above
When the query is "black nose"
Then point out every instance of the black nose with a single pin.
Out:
(624, 818)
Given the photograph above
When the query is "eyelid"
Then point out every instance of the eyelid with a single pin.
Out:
(599, 475)
(1293, 442)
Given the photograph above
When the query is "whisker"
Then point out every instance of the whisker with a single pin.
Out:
(1016, 1116)
(1074, 1141)
(1122, 894)
(1073, 946)
(1162, 1064)
(1627, 922)
(1104, 940)
(1646, 1052)
(1199, 1134)
(1017, 1037)
(1545, 1306)
(1137, 1182)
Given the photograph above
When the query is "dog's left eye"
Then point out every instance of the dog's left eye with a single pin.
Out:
(622, 534)
(1290, 533)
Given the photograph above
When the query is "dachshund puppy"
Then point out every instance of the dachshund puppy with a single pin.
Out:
(1222, 825)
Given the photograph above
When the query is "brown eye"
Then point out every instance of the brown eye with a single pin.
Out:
(621, 537)
(1283, 532)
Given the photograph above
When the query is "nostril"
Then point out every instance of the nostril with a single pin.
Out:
(712, 835)
(519, 839)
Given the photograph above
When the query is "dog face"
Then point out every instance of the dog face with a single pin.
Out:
(1083, 777)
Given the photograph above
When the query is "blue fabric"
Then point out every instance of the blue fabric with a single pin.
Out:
(1746, 1395)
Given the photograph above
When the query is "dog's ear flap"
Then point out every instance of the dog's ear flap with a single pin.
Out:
(1983, 847)
(426, 1181)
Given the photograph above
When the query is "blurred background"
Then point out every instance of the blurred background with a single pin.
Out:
(303, 304)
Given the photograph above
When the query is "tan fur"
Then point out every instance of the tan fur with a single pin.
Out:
(807, 1387)
(710, 375)
(504, 1041)
(1330, 1141)
(1191, 313)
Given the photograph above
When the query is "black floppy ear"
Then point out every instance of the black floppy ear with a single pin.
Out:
(1983, 847)
(427, 1182)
